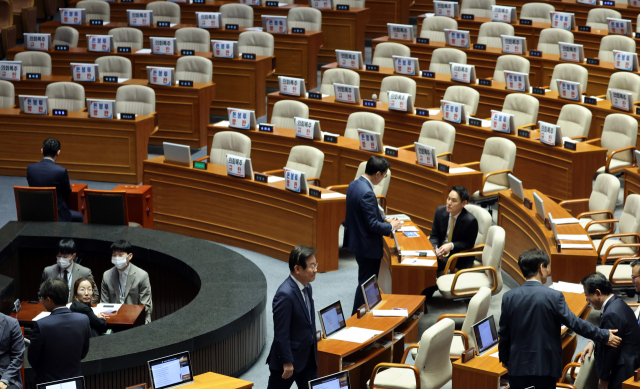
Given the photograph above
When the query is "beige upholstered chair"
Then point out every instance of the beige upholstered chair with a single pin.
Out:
(7, 94)
(126, 37)
(256, 42)
(194, 68)
(586, 377)
(549, 38)
(498, 158)
(115, 66)
(66, 35)
(34, 62)
(240, 14)
(338, 76)
(619, 135)
(514, 63)
(626, 82)
(467, 282)
(597, 17)
(285, 110)
(638, 25)
(569, 72)
(614, 42)
(397, 84)
(433, 28)
(165, 11)
(439, 135)
(137, 99)
(442, 57)
(490, 33)
(351, 3)
(537, 12)
(65, 95)
(95, 10)
(365, 121)
(228, 142)
(485, 221)
(305, 159)
(305, 17)
(193, 38)
(575, 121)
(479, 8)
(431, 368)
(8, 31)
(384, 52)
(465, 95)
(524, 108)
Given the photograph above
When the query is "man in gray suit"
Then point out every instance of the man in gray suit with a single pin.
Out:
(12, 346)
(125, 283)
(67, 269)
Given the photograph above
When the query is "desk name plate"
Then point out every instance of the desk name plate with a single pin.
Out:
(570, 145)
(593, 61)
(637, 110)
(342, 7)
(164, 24)
(315, 193)
(428, 74)
(231, 27)
(200, 165)
(187, 52)
(260, 177)
(272, 4)
(265, 128)
(443, 168)
(467, 17)
(538, 91)
(475, 122)
(59, 112)
(590, 100)
(34, 76)
(478, 46)
(422, 112)
(188, 83)
(484, 82)
(524, 134)
(330, 138)
(315, 95)
(390, 151)
(248, 56)
(110, 79)
(198, 1)
(423, 41)
(62, 48)
(535, 53)
(298, 30)
(584, 28)
(128, 116)
(124, 49)
(368, 103)
(372, 68)
(526, 22)
(96, 22)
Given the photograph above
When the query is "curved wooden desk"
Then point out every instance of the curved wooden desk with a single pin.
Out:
(128, 316)
(631, 181)
(525, 230)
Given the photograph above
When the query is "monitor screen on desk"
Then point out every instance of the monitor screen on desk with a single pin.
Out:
(174, 370)
(332, 319)
(516, 186)
(371, 293)
(334, 381)
(69, 383)
(539, 205)
(485, 334)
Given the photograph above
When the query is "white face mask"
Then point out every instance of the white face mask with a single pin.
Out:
(119, 262)
(64, 262)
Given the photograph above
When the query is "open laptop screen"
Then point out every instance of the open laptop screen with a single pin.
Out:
(171, 371)
(485, 334)
(69, 383)
(332, 319)
(334, 381)
(371, 292)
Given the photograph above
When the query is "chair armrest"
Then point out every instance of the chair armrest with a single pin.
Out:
(337, 188)
(473, 270)
(452, 316)
(475, 165)
(573, 201)
(396, 365)
(479, 247)
(580, 138)
(617, 245)
(453, 259)
(447, 154)
(274, 172)
(563, 385)
(614, 152)
(618, 235)
(316, 179)
(407, 147)
(484, 179)
(383, 202)
(465, 338)
(594, 142)
(155, 118)
(589, 213)
(407, 350)
(572, 366)
(613, 271)
(611, 222)
(202, 159)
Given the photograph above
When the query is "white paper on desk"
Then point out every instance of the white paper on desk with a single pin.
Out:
(408, 228)
(579, 238)
(566, 220)
(568, 287)
(576, 246)
(562, 328)
(332, 195)
(173, 24)
(224, 123)
(495, 355)
(355, 335)
(106, 308)
(105, 23)
(144, 51)
(485, 123)
(400, 216)
(429, 15)
(272, 179)
(593, 97)
(458, 170)
(390, 313)
(416, 253)
(329, 133)
(121, 80)
(418, 262)
(41, 315)
(254, 29)
(433, 111)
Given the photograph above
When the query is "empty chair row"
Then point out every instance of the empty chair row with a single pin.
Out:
(540, 12)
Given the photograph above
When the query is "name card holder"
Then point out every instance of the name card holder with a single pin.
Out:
(315, 193)
(188, 83)
(478, 46)
(96, 22)
(484, 82)
(422, 41)
(443, 168)
(187, 52)
(609, 3)
(593, 61)
(570, 145)
(261, 177)
(467, 17)
(34, 76)
(271, 4)
(164, 24)
(231, 27)
(526, 22)
(475, 122)
(330, 138)
(200, 165)
(584, 28)
(368, 103)
(265, 128)
(636, 35)
(248, 56)
(636, 375)
(198, 1)
(126, 1)
(538, 91)
(391, 151)
(535, 53)
(59, 112)
(62, 48)
(109, 79)
(128, 116)
(342, 7)
(637, 110)
(468, 354)
(524, 133)
(528, 203)
(422, 112)
(428, 74)
(298, 30)
(372, 68)
(315, 95)
(590, 100)
(124, 49)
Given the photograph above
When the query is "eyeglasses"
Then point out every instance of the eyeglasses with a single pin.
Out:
(314, 266)
(633, 278)
(82, 290)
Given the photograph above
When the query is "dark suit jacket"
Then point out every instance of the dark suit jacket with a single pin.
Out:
(617, 364)
(530, 323)
(58, 343)
(464, 236)
(364, 226)
(98, 325)
(294, 331)
(45, 174)
(11, 350)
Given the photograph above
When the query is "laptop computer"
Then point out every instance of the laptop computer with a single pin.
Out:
(539, 205)
(332, 319)
(371, 293)
(334, 381)
(69, 383)
(516, 186)
(485, 334)
(171, 371)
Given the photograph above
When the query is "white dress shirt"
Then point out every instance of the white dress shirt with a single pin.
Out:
(301, 288)
(122, 277)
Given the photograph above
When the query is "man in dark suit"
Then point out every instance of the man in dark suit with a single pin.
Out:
(613, 365)
(530, 325)
(364, 224)
(294, 352)
(12, 346)
(61, 340)
(47, 174)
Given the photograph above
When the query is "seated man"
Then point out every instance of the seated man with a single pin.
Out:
(66, 269)
(47, 174)
(12, 346)
(125, 283)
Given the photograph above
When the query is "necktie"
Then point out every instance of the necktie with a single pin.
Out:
(65, 274)
(450, 234)
(639, 321)
(305, 291)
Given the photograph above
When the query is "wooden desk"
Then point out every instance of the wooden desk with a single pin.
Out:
(139, 203)
(75, 201)
(631, 181)
(525, 230)
(218, 381)
(239, 83)
(484, 372)
(333, 354)
(409, 181)
(128, 316)
(260, 217)
(183, 112)
(93, 149)
(630, 384)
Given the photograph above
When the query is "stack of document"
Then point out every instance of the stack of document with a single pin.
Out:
(390, 313)
(416, 253)
(106, 308)
(418, 262)
(41, 315)
(576, 246)
(332, 195)
(567, 220)
(355, 334)
(459, 170)
(408, 228)
(400, 216)
(495, 355)
(568, 287)
(578, 238)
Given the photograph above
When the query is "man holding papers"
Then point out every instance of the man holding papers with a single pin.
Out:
(294, 352)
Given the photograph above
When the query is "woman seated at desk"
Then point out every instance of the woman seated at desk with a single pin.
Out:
(83, 291)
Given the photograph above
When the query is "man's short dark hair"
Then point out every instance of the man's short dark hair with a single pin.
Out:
(462, 192)
(597, 281)
(56, 289)
(50, 147)
(299, 256)
(635, 263)
(530, 261)
(376, 164)
(67, 247)
(121, 246)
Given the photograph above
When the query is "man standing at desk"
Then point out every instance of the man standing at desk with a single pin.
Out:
(364, 225)
(530, 325)
(294, 352)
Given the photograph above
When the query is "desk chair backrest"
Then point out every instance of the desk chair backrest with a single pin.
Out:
(537, 12)
(193, 38)
(479, 8)
(380, 189)
(106, 207)
(306, 159)
(240, 14)
(194, 68)
(384, 52)
(66, 35)
(6, 13)
(549, 38)
(7, 94)
(569, 72)
(490, 32)
(498, 154)
(630, 218)
(597, 17)
(365, 121)
(604, 195)
(433, 28)
(492, 253)
(96, 10)
(432, 360)
(478, 310)
(442, 57)
(229, 142)
(35, 62)
(338, 76)
(514, 63)
(524, 108)
(256, 42)
(614, 42)
(574, 120)
(619, 131)
(36, 204)
(464, 95)
(587, 377)
(305, 17)
(66, 95)
(285, 110)
(484, 222)
(627, 82)
(115, 66)
(137, 99)
(126, 36)
(351, 3)
(165, 11)
(439, 135)
(400, 84)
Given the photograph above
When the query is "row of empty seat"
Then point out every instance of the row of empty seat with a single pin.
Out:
(539, 12)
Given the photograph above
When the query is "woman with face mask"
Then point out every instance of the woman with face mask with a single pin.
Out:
(82, 294)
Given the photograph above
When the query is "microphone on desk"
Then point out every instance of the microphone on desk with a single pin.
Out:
(374, 97)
